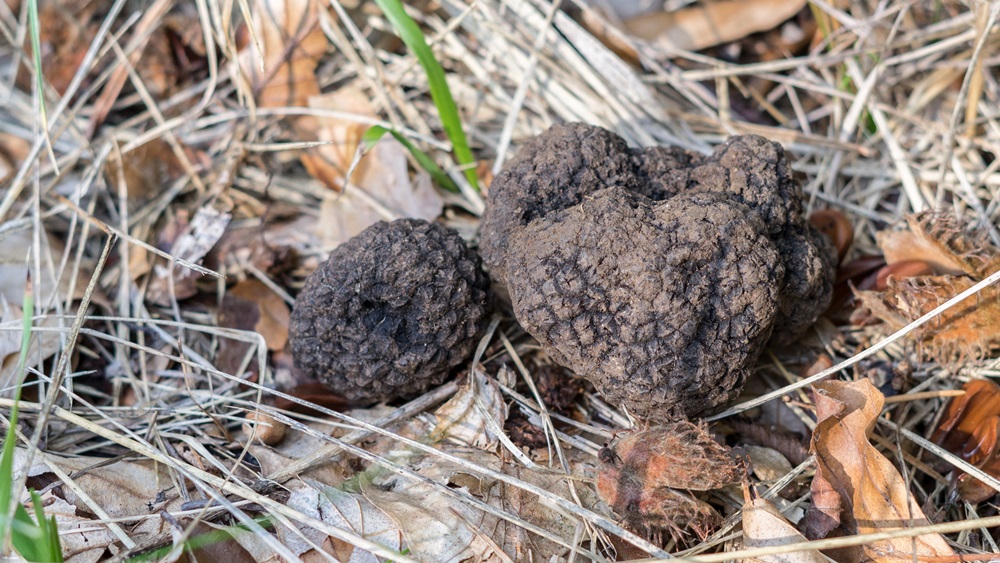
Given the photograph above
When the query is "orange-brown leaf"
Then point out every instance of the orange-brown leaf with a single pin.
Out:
(969, 329)
(291, 42)
(938, 239)
(969, 429)
(874, 496)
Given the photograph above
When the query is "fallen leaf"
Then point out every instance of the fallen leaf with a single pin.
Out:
(125, 490)
(13, 151)
(969, 429)
(904, 290)
(191, 242)
(764, 526)
(223, 546)
(274, 314)
(281, 63)
(64, 37)
(346, 511)
(14, 257)
(81, 538)
(474, 415)
(970, 329)
(42, 345)
(837, 227)
(939, 239)
(708, 24)
(873, 496)
(436, 528)
(384, 189)
(767, 464)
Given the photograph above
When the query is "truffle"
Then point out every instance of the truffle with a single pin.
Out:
(391, 311)
(658, 274)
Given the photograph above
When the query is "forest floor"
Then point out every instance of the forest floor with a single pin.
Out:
(177, 170)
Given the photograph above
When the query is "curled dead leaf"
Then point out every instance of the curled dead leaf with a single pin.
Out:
(903, 291)
(474, 416)
(285, 50)
(938, 239)
(191, 241)
(969, 429)
(871, 494)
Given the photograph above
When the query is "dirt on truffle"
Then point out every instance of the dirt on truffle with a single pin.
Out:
(391, 311)
(658, 274)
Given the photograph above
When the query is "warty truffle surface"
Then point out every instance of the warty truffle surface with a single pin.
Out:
(391, 311)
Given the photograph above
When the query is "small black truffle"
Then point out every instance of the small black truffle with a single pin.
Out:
(658, 274)
(391, 311)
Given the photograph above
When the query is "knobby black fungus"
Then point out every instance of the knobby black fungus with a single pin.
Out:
(391, 311)
(658, 274)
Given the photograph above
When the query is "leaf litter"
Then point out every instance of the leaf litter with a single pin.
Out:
(216, 143)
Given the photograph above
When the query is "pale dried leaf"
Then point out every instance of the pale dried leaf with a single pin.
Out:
(197, 238)
(873, 494)
(465, 417)
(346, 511)
(768, 464)
(436, 527)
(764, 526)
(82, 539)
(14, 246)
(708, 24)
(382, 175)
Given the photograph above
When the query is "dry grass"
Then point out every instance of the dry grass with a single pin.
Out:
(892, 111)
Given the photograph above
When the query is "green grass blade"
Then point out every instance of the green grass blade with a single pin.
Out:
(410, 33)
(7, 457)
(36, 52)
(376, 132)
(33, 540)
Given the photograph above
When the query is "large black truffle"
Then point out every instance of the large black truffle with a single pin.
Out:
(658, 274)
(391, 311)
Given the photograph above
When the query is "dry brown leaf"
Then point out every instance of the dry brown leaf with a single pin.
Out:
(708, 24)
(463, 418)
(346, 511)
(82, 541)
(937, 243)
(969, 329)
(764, 526)
(123, 489)
(969, 429)
(274, 315)
(938, 239)
(191, 241)
(383, 174)
(289, 44)
(64, 37)
(13, 151)
(873, 496)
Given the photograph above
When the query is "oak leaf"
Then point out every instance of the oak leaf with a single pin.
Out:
(873, 497)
